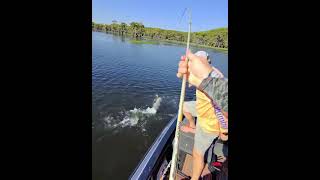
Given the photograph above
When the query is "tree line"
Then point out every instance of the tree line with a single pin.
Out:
(213, 38)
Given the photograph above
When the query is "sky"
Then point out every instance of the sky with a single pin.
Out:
(165, 14)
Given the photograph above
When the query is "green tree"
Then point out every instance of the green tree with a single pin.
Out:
(115, 27)
(138, 30)
(123, 28)
(214, 38)
(219, 41)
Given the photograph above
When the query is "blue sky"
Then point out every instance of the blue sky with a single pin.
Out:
(166, 14)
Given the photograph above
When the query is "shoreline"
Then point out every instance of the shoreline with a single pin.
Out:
(158, 41)
(152, 41)
(197, 45)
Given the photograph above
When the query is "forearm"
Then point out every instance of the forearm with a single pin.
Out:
(217, 90)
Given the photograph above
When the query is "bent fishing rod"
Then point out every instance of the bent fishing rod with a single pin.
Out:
(173, 167)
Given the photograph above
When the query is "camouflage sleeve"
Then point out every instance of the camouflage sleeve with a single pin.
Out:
(217, 90)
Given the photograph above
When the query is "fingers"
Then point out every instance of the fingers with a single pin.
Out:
(191, 56)
(221, 159)
(180, 75)
(183, 64)
(182, 70)
(183, 67)
(189, 64)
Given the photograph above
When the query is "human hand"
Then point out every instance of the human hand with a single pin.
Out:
(196, 69)
(224, 136)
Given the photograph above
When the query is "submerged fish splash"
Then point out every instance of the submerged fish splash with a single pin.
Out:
(134, 116)
(148, 110)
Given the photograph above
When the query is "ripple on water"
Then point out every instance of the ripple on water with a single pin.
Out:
(126, 79)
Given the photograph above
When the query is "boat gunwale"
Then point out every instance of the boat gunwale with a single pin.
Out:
(146, 164)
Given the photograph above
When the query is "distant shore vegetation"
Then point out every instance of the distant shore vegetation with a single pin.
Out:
(215, 38)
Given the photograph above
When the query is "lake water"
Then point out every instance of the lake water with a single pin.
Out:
(135, 92)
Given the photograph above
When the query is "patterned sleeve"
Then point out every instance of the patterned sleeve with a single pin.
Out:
(217, 90)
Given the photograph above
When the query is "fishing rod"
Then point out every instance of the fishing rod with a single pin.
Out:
(173, 167)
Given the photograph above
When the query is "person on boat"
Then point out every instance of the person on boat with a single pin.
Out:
(189, 107)
(211, 105)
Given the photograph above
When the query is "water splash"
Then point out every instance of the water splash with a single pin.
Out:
(148, 110)
(134, 117)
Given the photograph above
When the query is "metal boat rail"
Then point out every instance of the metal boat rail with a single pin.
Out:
(146, 165)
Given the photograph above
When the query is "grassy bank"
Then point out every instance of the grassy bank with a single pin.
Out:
(214, 38)
(176, 42)
(196, 45)
(143, 42)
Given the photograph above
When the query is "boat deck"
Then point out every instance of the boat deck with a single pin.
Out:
(187, 170)
(154, 165)
(185, 159)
